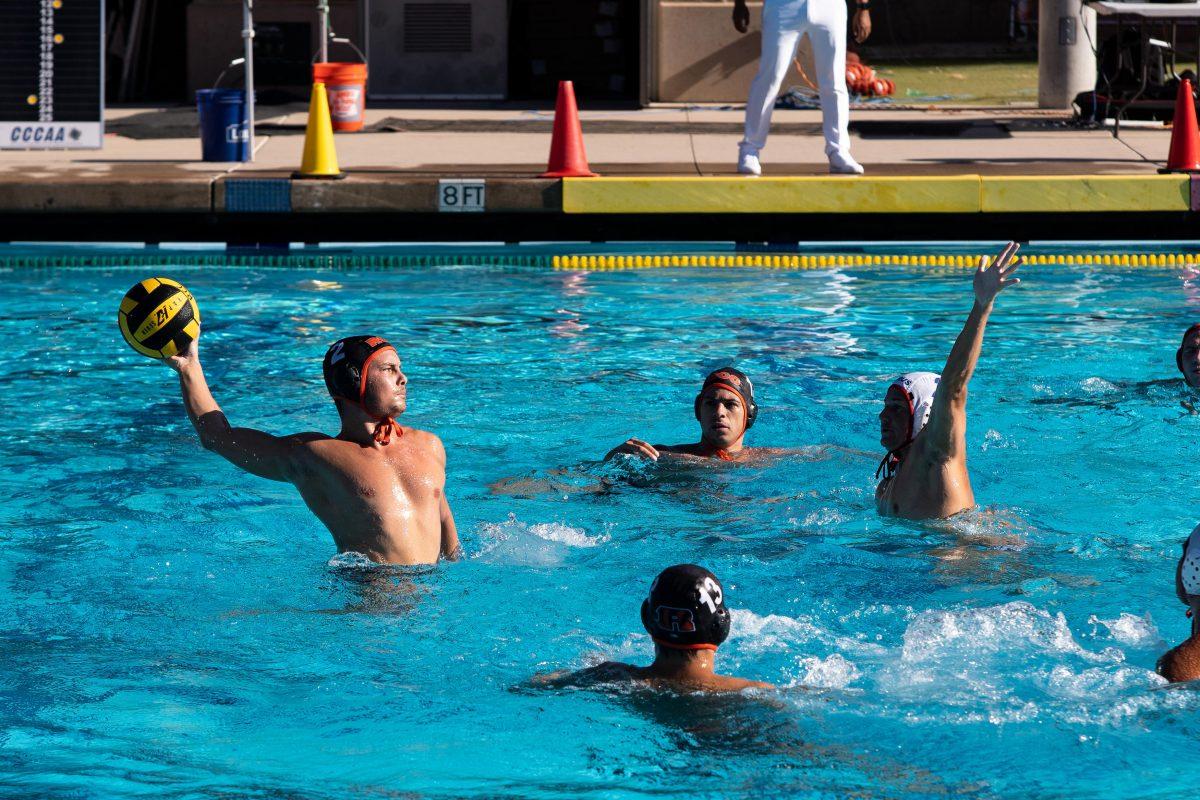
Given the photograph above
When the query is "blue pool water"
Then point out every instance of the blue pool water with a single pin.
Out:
(172, 628)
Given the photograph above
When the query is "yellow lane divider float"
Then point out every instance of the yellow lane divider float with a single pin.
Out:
(834, 261)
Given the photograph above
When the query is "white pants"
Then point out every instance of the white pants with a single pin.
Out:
(784, 22)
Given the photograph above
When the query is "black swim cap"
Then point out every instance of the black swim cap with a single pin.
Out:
(345, 365)
(686, 609)
(1179, 352)
(735, 381)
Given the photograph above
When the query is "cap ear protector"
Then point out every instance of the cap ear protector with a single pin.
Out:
(686, 609)
(346, 365)
(735, 381)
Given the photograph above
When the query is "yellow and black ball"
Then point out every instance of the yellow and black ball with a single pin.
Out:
(159, 317)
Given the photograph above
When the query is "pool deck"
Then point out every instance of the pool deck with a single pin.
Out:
(667, 174)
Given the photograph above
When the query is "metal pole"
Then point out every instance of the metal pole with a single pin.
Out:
(1066, 63)
(323, 29)
(248, 39)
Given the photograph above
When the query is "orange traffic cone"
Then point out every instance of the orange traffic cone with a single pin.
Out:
(320, 158)
(567, 159)
(1184, 155)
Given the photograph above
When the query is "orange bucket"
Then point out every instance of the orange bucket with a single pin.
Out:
(346, 85)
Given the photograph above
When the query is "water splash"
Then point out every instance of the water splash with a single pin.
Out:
(539, 544)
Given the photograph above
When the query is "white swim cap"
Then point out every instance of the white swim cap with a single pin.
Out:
(1191, 564)
(918, 387)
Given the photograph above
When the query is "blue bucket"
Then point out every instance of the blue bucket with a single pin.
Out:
(224, 124)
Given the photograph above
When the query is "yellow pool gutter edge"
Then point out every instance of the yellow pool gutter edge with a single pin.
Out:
(991, 194)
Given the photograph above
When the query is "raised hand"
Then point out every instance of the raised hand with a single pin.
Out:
(993, 278)
(189, 356)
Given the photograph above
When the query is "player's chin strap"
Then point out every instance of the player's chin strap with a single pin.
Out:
(385, 428)
(892, 460)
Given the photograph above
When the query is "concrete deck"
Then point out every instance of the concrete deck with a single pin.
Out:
(668, 173)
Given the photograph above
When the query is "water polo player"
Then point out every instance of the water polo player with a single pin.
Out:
(1182, 663)
(379, 487)
(686, 617)
(725, 409)
(923, 424)
(1187, 357)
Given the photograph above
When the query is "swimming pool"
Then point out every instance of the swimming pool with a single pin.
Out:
(172, 627)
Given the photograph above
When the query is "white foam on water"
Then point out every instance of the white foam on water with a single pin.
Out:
(993, 439)
(823, 517)
(539, 544)
(1015, 662)
(833, 672)
(756, 634)
(1096, 683)
(317, 285)
(1129, 629)
(1098, 386)
(1012, 627)
(351, 560)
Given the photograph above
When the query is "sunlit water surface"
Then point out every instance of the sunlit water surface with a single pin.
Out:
(174, 628)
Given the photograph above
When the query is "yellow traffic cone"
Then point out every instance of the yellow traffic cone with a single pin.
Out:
(320, 159)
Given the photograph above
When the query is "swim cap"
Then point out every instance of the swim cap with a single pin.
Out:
(345, 367)
(919, 388)
(735, 381)
(686, 609)
(1191, 564)
(1182, 344)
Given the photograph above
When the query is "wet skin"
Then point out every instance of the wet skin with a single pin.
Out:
(931, 481)
(722, 429)
(678, 670)
(387, 502)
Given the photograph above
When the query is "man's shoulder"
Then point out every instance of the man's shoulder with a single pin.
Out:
(728, 683)
(607, 672)
(1181, 663)
(424, 439)
(308, 439)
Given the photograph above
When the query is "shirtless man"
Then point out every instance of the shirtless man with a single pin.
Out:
(686, 617)
(725, 408)
(378, 487)
(923, 424)
(1182, 663)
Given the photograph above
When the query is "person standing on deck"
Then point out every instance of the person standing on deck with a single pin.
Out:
(923, 424)
(784, 22)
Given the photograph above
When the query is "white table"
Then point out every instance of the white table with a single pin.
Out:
(1144, 16)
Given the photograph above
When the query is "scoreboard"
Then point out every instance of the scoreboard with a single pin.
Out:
(51, 74)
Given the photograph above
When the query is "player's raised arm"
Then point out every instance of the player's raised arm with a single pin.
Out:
(946, 431)
(256, 452)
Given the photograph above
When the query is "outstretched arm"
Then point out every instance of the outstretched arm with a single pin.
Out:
(945, 435)
(256, 452)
